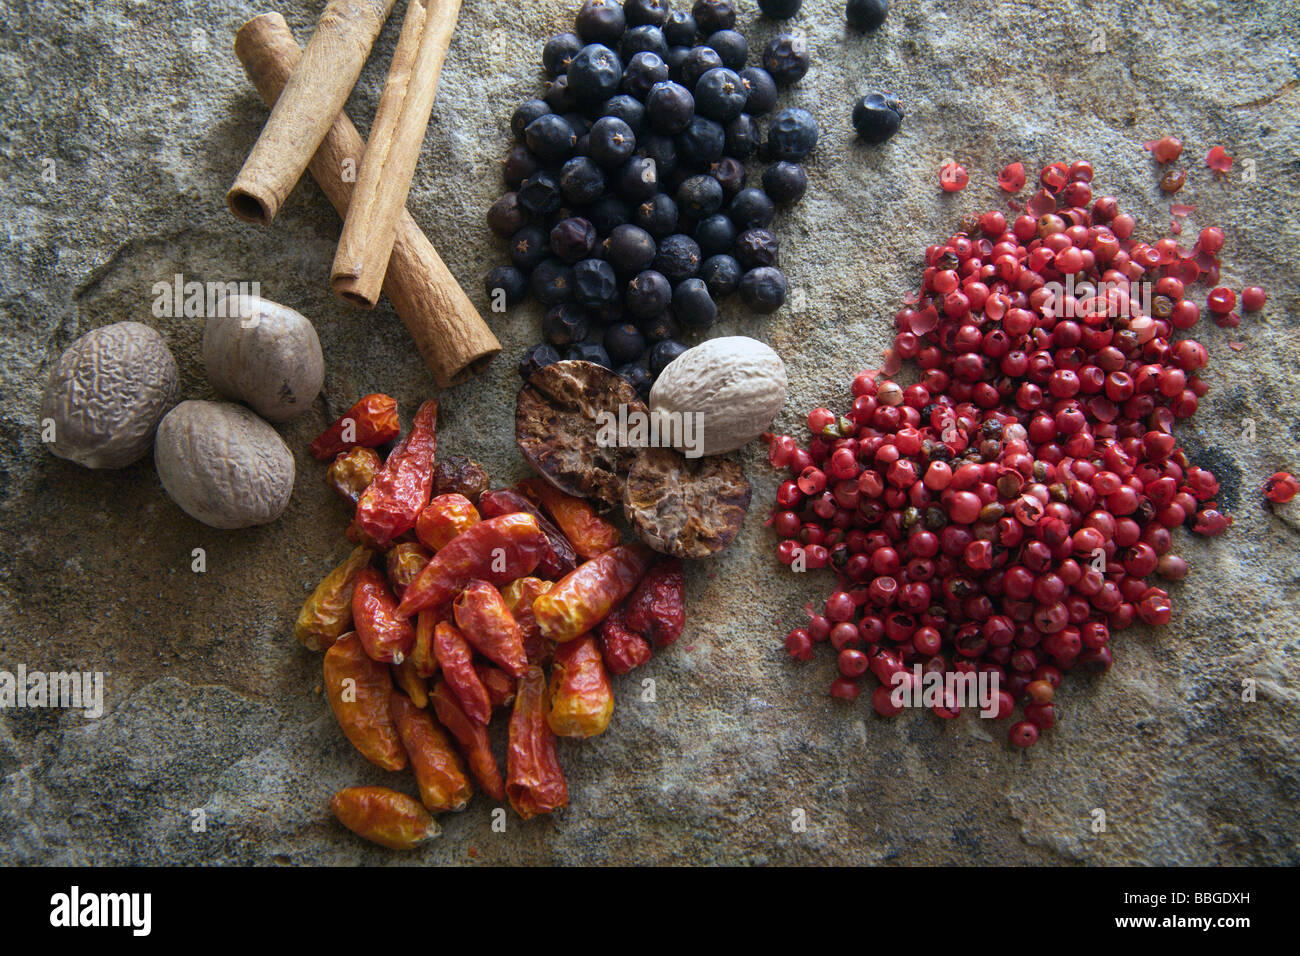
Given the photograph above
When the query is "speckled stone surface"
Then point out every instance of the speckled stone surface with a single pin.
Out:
(124, 124)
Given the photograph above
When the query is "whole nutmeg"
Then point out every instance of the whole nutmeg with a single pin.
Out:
(223, 465)
(107, 393)
(265, 355)
(732, 387)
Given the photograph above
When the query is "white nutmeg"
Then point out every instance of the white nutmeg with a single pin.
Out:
(265, 355)
(106, 394)
(732, 388)
(223, 465)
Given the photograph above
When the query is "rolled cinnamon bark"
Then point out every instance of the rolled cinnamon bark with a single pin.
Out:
(314, 94)
(395, 140)
(449, 332)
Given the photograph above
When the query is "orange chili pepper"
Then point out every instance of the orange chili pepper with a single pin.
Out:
(422, 656)
(358, 688)
(583, 598)
(328, 612)
(385, 636)
(588, 532)
(487, 623)
(384, 816)
(473, 739)
(519, 596)
(534, 781)
(371, 422)
(393, 501)
(456, 660)
(444, 518)
(582, 700)
(438, 770)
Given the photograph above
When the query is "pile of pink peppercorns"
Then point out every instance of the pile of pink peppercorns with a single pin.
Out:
(1005, 513)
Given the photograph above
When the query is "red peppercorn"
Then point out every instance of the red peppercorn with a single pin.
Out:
(1166, 149)
(1253, 298)
(1281, 487)
(1023, 734)
(953, 177)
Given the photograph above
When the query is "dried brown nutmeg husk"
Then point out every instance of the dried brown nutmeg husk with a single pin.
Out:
(685, 507)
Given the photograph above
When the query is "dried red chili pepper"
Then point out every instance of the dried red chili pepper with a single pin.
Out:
(623, 649)
(498, 551)
(559, 558)
(385, 636)
(406, 677)
(328, 612)
(390, 506)
(534, 782)
(371, 422)
(443, 518)
(499, 685)
(583, 598)
(473, 739)
(588, 532)
(519, 596)
(351, 473)
(657, 608)
(405, 561)
(422, 657)
(357, 689)
(456, 660)
(384, 816)
(582, 700)
(438, 769)
(487, 623)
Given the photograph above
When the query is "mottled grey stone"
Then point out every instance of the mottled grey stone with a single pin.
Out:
(214, 706)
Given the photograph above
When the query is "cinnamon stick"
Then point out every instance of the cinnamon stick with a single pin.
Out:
(395, 140)
(449, 332)
(313, 96)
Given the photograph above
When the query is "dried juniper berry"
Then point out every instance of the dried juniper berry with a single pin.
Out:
(660, 327)
(751, 209)
(582, 181)
(792, 135)
(721, 274)
(664, 353)
(714, 15)
(525, 113)
(699, 196)
(540, 193)
(715, 234)
(551, 138)
(529, 248)
(786, 58)
(643, 72)
(877, 117)
(680, 28)
(506, 217)
(720, 95)
(519, 164)
(506, 287)
(559, 95)
(638, 179)
(760, 89)
(678, 258)
(641, 12)
(537, 357)
(612, 141)
(670, 107)
(676, 57)
(608, 213)
(630, 249)
(730, 174)
(647, 295)
(757, 247)
(559, 52)
(600, 21)
(638, 377)
(662, 149)
(692, 304)
(552, 282)
(732, 47)
(779, 9)
(592, 352)
(785, 183)
(610, 313)
(595, 74)
(701, 144)
(743, 137)
(624, 343)
(643, 39)
(565, 325)
(594, 283)
(573, 239)
(699, 61)
(657, 215)
(866, 15)
(764, 289)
